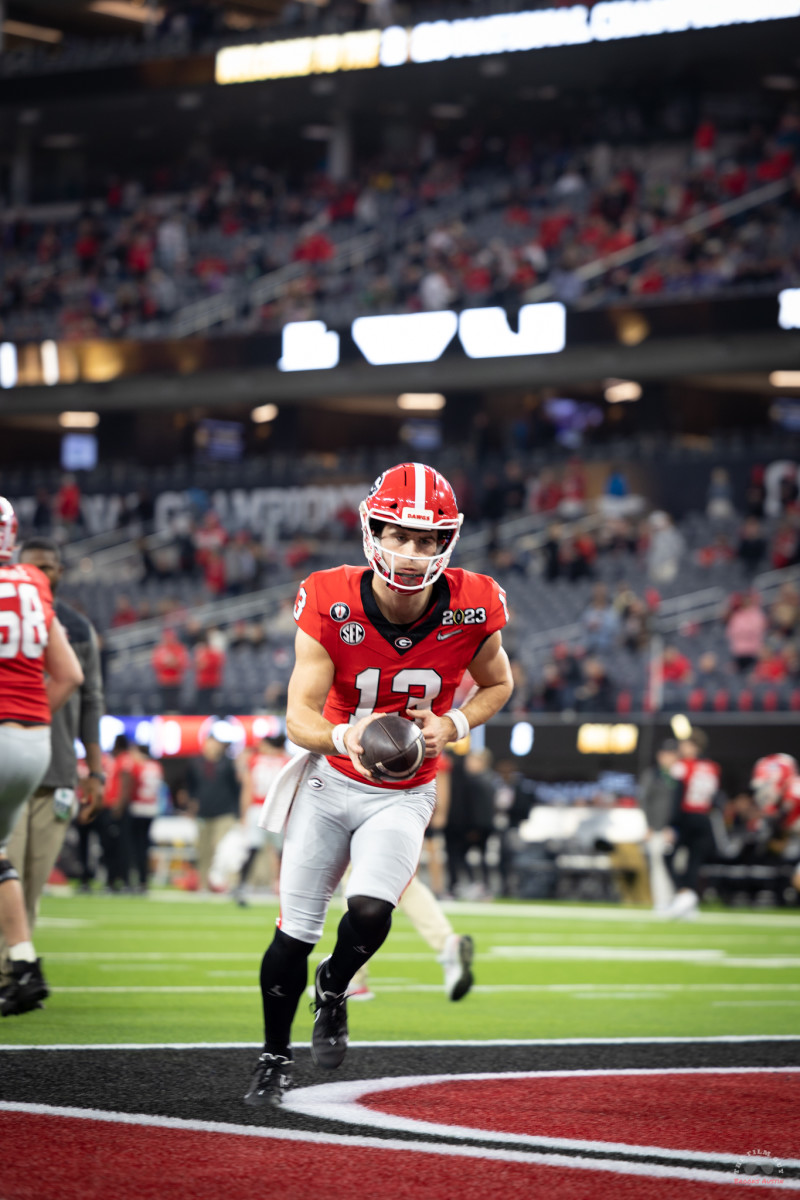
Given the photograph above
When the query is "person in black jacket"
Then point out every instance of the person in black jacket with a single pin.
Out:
(39, 833)
(213, 794)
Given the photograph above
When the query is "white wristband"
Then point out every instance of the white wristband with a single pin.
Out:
(337, 737)
(460, 721)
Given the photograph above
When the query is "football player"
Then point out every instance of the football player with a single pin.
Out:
(267, 759)
(32, 640)
(690, 825)
(397, 637)
(38, 836)
(775, 785)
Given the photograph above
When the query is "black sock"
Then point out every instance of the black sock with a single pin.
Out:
(355, 944)
(284, 974)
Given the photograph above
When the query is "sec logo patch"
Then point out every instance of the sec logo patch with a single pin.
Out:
(352, 633)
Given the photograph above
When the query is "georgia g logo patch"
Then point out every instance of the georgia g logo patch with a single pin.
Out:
(352, 633)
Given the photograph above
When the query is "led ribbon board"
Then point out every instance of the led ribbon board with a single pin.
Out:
(437, 41)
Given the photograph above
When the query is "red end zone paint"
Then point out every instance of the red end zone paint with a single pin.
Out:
(724, 1113)
(80, 1159)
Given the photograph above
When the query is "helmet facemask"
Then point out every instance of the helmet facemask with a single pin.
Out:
(415, 497)
(384, 561)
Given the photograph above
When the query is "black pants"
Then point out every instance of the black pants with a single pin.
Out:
(140, 847)
(115, 839)
(696, 833)
(84, 849)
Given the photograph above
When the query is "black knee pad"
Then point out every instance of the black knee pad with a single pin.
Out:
(7, 870)
(367, 913)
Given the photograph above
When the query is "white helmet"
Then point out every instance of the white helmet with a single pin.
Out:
(411, 496)
(8, 530)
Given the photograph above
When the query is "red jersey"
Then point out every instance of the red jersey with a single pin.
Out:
(381, 667)
(148, 776)
(209, 666)
(263, 769)
(790, 807)
(26, 613)
(700, 778)
(121, 764)
(170, 660)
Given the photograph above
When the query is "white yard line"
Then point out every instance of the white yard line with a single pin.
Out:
(478, 989)
(341, 1100)
(403, 1147)
(734, 1039)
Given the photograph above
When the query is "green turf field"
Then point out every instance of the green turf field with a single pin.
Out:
(178, 968)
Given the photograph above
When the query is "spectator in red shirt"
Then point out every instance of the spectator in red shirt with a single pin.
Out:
(214, 573)
(316, 248)
(209, 668)
(124, 612)
(785, 548)
(170, 662)
(675, 667)
(68, 504)
(547, 492)
(770, 668)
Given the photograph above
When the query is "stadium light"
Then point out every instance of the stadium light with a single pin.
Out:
(34, 33)
(484, 332)
(50, 367)
(618, 391)
(124, 10)
(789, 310)
(264, 413)
(405, 338)
(79, 420)
(522, 737)
(308, 346)
(785, 379)
(421, 401)
(8, 365)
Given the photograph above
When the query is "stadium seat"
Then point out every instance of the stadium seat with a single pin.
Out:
(624, 702)
(745, 700)
(697, 699)
(722, 700)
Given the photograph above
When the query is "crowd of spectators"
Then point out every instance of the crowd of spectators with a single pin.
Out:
(605, 560)
(129, 260)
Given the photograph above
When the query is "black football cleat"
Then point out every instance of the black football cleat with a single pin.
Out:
(271, 1079)
(457, 963)
(26, 991)
(329, 1039)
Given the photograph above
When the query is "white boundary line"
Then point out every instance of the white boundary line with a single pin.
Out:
(721, 1039)
(608, 1166)
(340, 1101)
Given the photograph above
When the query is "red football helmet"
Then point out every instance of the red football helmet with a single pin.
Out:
(8, 530)
(413, 496)
(771, 778)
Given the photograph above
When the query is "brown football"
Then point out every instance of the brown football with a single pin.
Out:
(393, 748)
